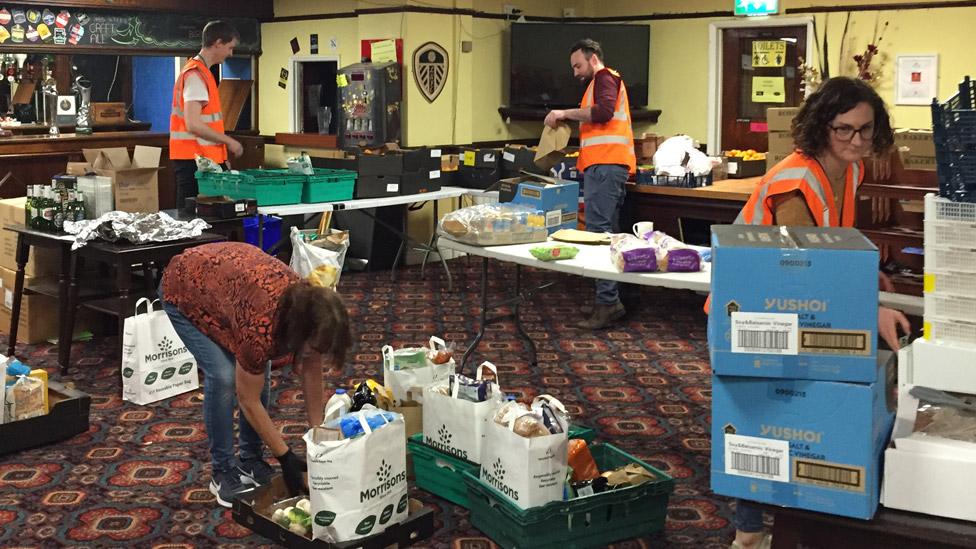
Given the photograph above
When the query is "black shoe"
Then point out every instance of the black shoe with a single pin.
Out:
(602, 316)
(255, 472)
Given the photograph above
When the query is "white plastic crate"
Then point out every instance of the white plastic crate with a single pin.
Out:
(941, 258)
(950, 233)
(949, 282)
(943, 209)
(950, 307)
(952, 331)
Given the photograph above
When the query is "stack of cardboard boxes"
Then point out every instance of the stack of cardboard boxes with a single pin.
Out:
(917, 149)
(800, 395)
(480, 168)
(778, 123)
(388, 170)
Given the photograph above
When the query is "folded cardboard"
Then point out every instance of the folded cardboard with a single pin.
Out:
(806, 444)
(919, 142)
(67, 418)
(42, 261)
(135, 180)
(797, 302)
(780, 119)
(377, 186)
(39, 320)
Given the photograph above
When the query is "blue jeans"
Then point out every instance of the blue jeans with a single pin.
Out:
(747, 517)
(219, 393)
(604, 190)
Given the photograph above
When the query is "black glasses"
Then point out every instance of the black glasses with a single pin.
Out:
(846, 133)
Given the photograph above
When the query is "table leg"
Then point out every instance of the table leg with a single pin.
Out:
(23, 254)
(482, 315)
(518, 320)
(67, 326)
(403, 245)
(123, 281)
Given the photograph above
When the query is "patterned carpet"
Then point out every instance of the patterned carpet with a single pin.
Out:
(139, 476)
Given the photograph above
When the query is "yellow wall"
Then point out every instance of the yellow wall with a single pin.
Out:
(466, 110)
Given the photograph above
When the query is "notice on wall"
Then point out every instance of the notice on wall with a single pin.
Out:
(768, 89)
(383, 51)
(768, 53)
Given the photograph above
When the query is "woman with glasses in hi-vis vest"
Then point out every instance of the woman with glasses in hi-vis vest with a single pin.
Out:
(816, 185)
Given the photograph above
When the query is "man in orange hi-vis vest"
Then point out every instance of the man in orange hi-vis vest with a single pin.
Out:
(196, 125)
(606, 159)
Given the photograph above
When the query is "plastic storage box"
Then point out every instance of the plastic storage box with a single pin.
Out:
(954, 133)
(328, 186)
(268, 187)
(271, 227)
(592, 521)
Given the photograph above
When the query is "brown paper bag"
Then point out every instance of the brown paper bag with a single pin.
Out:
(551, 145)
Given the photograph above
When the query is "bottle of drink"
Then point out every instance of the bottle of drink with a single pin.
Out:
(79, 206)
(48, 209)
(28, 206)
(338, 405)
(59, 208)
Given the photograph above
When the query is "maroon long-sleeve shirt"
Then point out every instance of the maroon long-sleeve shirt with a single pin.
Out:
(605, 88)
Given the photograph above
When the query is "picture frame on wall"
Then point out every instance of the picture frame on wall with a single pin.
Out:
(916, 79)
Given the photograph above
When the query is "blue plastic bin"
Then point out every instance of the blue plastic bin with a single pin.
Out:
(272, 231)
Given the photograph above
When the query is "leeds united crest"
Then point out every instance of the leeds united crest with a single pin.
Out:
(430, 70)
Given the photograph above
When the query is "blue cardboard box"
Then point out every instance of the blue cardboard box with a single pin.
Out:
(557, 198)
(807, 444)
(797, 302)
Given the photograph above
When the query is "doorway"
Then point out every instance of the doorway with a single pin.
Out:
(315, 87)
(753, 65)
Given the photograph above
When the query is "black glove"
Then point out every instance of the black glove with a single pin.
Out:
(293, 470)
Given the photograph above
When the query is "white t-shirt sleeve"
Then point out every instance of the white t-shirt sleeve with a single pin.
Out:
(195, 89)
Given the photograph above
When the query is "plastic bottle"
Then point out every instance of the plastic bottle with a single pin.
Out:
(338, 405)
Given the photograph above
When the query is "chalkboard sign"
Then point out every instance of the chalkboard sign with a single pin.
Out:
(66, 28)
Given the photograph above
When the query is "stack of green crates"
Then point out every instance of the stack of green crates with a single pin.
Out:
(441, 474)
(329, 186)
(591, 521)
(268, 187)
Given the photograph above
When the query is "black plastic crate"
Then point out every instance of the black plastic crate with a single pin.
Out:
(687, 181)
(954, 133)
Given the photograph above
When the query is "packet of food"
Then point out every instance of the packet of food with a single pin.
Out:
(301, 164)
(28, 398)
(512, 407)
(473, 390)
(205, 164)
(553, 252)
(581, 460)
(552, 413)
(631, 474)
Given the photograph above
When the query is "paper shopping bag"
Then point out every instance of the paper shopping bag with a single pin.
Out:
(529, 471)
(358, 486)
(320, 266)
(455, 426)
(156, 364)
(400, 380)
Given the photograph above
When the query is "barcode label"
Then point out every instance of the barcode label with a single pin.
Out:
(553, 217)
(835, 475)
(840, 342)
(756, 457)
(764, 333)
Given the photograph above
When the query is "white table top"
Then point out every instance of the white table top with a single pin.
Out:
(593, 261)
(363, 203)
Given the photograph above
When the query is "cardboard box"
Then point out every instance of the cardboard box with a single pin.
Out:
(780, 119)
(481, 158)
(801, 305)
(806, 444)
(646, 146)
(517, 159)
(135, 180)
(477, 178)
(108, 112)
(557, 198)
(421, 159)
(426, 181)
(773, 159)
(926, 163)
(39, 320)
(377, 186)
(450, 162)
(940, 365)
(780, 143)
(67, 418)
(42, 261)
(566, 170)
(920, 142)
(741, 169)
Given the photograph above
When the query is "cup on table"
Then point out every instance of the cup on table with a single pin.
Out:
(641, 228)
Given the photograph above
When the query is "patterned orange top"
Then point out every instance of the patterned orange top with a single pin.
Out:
(230, 292)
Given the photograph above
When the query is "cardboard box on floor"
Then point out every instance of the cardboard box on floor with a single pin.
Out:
(135, 180)
(780, 119)
(43, 261)
(39, 318)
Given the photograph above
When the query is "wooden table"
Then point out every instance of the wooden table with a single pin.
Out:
(667, 207)
(116, 297)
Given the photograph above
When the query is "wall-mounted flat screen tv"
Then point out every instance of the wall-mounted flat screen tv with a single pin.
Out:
(541, 75)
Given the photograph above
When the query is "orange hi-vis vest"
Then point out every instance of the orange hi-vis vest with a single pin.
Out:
(184, 145)
(611, 142)
(798, 172)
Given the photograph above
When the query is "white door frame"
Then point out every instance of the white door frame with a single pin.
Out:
(295, 64)
(715, 64)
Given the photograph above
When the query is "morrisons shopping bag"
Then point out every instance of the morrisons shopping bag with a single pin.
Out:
(155, 362)
(358, 486)
(455, 425)
(408, 369)
(321, 266)
(531, 471)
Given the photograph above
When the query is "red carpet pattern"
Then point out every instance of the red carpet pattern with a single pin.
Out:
(139, 476)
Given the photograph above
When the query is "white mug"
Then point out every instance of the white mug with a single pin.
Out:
(643, 227)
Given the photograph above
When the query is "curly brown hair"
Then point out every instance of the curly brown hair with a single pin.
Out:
(314, 315)
(811, 127)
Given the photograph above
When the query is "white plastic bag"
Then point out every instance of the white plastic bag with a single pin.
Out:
(404, 381)
(155, 362)
(319, 266)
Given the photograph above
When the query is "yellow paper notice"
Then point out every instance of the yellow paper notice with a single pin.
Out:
(341, 81)
(383, 51)
(768, 89)
(768, 53)
(469, 158)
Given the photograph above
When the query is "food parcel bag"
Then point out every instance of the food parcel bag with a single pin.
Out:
(455, 425)
(412, 368)
(358, 486)
(155, 363)
(530, 471)
(320, 266)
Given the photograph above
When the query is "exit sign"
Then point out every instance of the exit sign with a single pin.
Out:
(756, 7)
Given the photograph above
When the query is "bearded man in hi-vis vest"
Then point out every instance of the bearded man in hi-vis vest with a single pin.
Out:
(606, 159)
(196, 125)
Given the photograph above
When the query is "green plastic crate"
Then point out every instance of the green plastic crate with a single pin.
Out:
(328, 186)
(592, 521)
(268, 187)
(440, 473)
